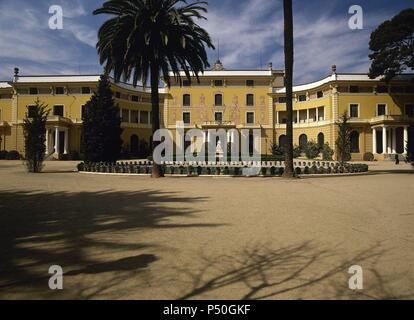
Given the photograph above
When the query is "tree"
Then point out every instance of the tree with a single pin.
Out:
(343, 142)
(34, 128)
(147, 38)
(392, 44)
(101, 128)
(288, 20)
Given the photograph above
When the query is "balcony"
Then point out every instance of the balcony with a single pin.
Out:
(220, 124)
(390, 119)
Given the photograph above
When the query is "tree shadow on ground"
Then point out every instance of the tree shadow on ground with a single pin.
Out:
(260, 272)
(40, 229)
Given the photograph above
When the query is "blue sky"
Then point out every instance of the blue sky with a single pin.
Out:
(250, 33)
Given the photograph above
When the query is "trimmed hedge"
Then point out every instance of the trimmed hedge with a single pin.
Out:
(140, 168)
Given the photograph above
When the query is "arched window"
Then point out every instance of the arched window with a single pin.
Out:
(134, 144)
(186, 100)
(303, 140)
(354, 137)
(321, 140)
(218, 100)
(282, 141)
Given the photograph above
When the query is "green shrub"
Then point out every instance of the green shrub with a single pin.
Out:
(306, 170)
(298, 171)
(327, 152)
(281, 171)
(81, 166)
(13, 155)
(297, 151)
(311, 150)
(368, 156)
(3, 154)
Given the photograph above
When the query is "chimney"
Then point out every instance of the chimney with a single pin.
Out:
(334, 69)
(16, 74)
(270, 66)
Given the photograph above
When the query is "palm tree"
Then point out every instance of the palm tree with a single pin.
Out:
(288, 19)
(146, 39)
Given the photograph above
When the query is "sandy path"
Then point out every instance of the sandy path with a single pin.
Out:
(137, 238)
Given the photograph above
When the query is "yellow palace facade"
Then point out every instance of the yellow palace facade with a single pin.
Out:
(382, 115)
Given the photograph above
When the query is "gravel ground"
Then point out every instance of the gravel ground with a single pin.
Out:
(129, 237)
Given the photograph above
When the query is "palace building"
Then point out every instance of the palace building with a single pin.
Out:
(382, 114)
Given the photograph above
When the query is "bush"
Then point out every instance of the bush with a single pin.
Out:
(297, 151)
(3, 154)
(13, 155)
(311, 150)
(327, 152)
(298, 171)
(368, 156)
(81, 166)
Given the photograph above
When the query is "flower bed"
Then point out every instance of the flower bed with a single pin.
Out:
(267, 169)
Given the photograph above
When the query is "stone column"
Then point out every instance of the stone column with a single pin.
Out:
(394, 141)
(57, 140)
(66, 146)
(47, 142)
(384, 140)
(317, 114)
(389, 131)
(405, 142)
(307, 115)
(374, 140)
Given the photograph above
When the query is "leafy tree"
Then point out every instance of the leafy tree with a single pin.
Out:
(392, 44)
(288, 36)
(146, 38)
(34, 129)
(343, 141)
(101, 128)
(312, 149)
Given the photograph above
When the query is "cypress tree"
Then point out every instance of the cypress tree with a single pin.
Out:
(34, 128)
(101, 128)
(343, 142)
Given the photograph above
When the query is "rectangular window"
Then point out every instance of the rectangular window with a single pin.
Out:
(186, 100)
(218, 117)
(31, 111)
(118, 95)
(382, 89)
(186, 117)
(134, 116)
(33, 91)
(250, 117)
(186, 83)
(125, 115)
(409, 110)
(354, 110)
(319, 94)
(409, 89)
(218, 83)
(282, 99)
(83, 110)
(59, 90)
(302, 97)
(381, 109)
(86, 90)
(353, 89)
(397, 89)
(144, 117)
(250, 83)
(135, 98)
(218, 100)
(58, 110)
(250, 100)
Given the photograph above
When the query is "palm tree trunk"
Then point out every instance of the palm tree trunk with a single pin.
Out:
(288, 18)
(155, 101)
